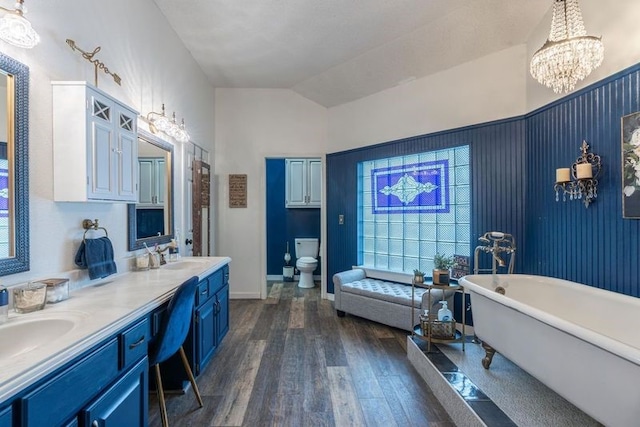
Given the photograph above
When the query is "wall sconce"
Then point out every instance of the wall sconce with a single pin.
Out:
(15, 29)
(159, 122)
(584, 185)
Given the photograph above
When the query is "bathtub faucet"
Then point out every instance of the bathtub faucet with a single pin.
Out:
(496, 243)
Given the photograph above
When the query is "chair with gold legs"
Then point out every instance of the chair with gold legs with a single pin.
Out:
(170, 338)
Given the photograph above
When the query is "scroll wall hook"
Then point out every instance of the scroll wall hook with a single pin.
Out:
(96, 64)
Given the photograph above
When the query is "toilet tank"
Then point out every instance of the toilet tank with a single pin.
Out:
(307, 247)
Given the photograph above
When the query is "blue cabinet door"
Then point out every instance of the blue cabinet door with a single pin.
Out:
(125, 403)
(206, 340)
(222, 317)
(5, 417)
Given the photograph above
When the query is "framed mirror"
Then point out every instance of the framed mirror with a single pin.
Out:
(151, 219)
(14, 166)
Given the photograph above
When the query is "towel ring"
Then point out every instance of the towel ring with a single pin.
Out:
(87, 224)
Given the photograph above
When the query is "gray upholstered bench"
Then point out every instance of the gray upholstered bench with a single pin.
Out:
(382, 301)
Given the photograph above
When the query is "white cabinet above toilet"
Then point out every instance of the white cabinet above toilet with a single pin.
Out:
(303, 183)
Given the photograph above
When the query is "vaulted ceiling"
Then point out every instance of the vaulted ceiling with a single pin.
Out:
(337, 51)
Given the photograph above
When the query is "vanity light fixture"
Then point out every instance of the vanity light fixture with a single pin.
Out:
(585, 172)
(159, 122)
(181, 134)
(15, 29)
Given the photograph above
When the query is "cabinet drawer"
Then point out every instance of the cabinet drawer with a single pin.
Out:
(60, 398)
(203, 292)
(133, 343)
(216, 281)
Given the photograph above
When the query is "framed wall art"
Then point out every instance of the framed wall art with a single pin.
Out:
(631, 166)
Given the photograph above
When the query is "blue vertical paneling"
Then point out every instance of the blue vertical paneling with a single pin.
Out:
(594, 245)
(497, 188)
(284, 225)
(513, 171)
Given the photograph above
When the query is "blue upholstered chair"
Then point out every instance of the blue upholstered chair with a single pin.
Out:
(171, 336)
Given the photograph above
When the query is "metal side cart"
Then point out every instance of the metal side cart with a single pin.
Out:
(429, 328)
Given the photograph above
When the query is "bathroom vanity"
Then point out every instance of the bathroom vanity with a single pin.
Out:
(86, 363)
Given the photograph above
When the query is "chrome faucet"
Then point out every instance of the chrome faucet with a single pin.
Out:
(495, 243)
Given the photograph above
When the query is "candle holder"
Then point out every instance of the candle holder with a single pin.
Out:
(585, 172)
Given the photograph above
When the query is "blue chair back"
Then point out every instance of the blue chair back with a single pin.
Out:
(175, 323)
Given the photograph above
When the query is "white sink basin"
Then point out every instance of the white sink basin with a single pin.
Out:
(181, 265)
(24, 334)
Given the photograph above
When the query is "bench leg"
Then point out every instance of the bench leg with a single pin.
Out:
(340, 313)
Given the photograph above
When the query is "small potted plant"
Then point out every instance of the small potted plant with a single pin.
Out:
(441, 266)
(418, 276)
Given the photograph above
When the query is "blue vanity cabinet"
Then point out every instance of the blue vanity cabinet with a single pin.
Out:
(209, 326)
(210, 319)
(60, 398)
(125, 403)
(109, 382)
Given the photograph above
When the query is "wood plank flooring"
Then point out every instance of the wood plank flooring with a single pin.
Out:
(289, 360)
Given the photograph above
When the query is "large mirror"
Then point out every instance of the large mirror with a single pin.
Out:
(14, 166)
(151, 219)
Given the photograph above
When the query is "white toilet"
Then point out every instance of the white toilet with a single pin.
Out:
(306, 254)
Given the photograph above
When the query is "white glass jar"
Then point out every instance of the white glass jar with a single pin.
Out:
(57, 290)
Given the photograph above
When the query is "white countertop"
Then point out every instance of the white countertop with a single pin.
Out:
(99, 311)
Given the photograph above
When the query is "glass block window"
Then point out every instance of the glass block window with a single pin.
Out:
(411, 207)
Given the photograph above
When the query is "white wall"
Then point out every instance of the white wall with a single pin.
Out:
(486, 89)
(252, 125)
(138, 44)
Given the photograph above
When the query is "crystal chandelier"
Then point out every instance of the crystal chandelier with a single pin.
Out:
(16, 29)
(569, 54)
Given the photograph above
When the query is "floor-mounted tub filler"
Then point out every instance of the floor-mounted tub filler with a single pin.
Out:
(580, 341)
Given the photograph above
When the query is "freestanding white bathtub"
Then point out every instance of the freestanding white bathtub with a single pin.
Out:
(580, 341)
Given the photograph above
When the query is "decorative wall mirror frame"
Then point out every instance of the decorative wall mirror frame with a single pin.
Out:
(14, 167)
(151, 219)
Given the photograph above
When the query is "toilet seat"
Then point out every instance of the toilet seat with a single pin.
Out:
(306, 260)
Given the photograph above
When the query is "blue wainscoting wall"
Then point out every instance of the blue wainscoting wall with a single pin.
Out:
(498, 184)
(594, 245)
(513, 172)
(284, 225)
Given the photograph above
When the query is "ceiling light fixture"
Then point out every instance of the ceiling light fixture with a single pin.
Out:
(15, 29)
(569, 54)
(159, 122)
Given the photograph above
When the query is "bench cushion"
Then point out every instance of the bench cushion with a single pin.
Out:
(386, 291)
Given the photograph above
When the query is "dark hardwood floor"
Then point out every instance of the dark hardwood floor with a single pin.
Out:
(289, 360)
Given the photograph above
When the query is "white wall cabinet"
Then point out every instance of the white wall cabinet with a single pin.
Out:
(95, 145)
(303, 183)
(152, 180)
